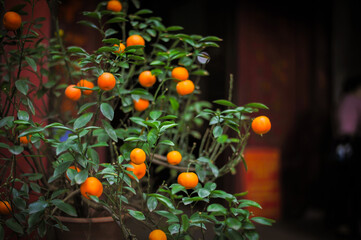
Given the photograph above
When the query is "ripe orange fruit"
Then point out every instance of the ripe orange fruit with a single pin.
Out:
(157, 234)
(188, 179)
(261, 125)
(174, 157)
(137, 156)
(135, 40)
(106, 81)
(138, 170)
(25, 139)
(73, 93)
(12, 21)
(147, 79)
(87, 84)
(180, 73)
(121, 47)
(185, 87)
(114, 5)
(5, 208)
(141, 104)
(72, 167)
(91, 186)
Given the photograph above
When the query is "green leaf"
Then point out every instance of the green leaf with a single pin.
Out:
(256, 105)
(22, 86)
(185, 222)
(74, 49)
(14, 225)
(248, 203)
(152, 203)
(214, 169)
(210, 38)
(167, 142)
(22, 115)
(177, 188)
(252, 235)
(37, 206)
(263, 221)
(217, 131)
(116, 20)
(225, 103)
(189, 200)
(31, 63)
(89, 24)
(31, 106)
(65, 207)
(164, 200)
(203, 192)
(137, 215)
(155, 114)
(109, 32)
(82, 120)
(107, 111)
(201, 173)
(234, 223)
(200, 72)
(174, 28)
(174, 103)
(217, 209)
(174, 228)
(57, 193)
(16, 150)
(105, 49)
(157, 63)
(152, 136)
(170, 216)
(86, 106)
(81, 176)
(59, 170)
(222, 194)
(35, 187)
(143, 11)
(110, 131)
(6, 121)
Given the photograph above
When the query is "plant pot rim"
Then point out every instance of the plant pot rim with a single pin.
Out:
(85, 220)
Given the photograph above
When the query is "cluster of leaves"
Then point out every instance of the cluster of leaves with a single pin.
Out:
(167, 124)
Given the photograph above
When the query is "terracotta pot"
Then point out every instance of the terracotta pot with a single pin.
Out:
(86, 228)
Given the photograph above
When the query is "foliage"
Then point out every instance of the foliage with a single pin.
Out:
(107, 120)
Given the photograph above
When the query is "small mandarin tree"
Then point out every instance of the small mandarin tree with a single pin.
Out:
(136, 96)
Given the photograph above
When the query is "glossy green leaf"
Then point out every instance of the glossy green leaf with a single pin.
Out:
(82, 120)
(64, 207)
(256, 105)
(225, 103)
(81, 176)
(107, 111)
(263, 221)
(16, 150)
(217, 209)
(110, 131)
(137, 215)
(217, 131)
(22, 86)
(31, 63)
(14, 225)
(234, 223)
(185, 222)
(22, 115)
(152, 203)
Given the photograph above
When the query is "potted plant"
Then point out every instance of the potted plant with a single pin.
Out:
(134, 102)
